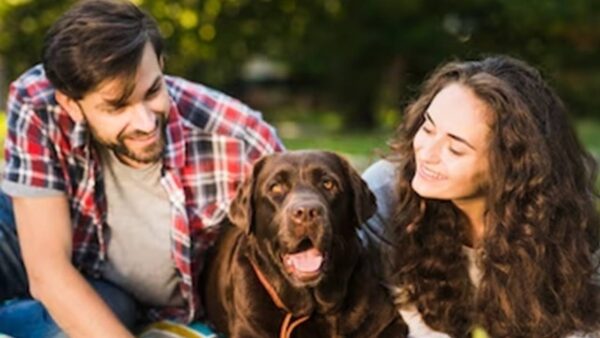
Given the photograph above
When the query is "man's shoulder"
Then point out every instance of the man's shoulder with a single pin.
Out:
(209, 110)
(33, 87)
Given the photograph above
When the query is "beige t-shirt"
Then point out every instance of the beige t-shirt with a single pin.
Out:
(139, 221)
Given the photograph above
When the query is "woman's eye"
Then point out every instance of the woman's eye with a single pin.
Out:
(426, 129)
(328, 184)
(456, 149)
(455, 152)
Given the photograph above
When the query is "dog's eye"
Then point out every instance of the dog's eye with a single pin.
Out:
(277, 188)
(328, 184)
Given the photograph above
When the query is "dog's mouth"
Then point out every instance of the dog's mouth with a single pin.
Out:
(305, 263)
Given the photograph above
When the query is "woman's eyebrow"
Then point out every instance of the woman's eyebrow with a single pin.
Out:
(453, 136)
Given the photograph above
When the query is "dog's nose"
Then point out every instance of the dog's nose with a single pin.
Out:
(306, 213)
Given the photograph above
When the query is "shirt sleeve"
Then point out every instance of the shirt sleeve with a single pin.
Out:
(31, 160)
(596, 262)
(261, 139)
(380, 178)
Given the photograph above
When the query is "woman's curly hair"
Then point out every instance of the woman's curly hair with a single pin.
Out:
(541, 222)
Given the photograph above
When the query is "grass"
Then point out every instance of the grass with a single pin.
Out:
(354, 143)
(588, 131)
(360, 147)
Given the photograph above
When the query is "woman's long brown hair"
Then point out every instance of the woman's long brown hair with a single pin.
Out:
(541, 223)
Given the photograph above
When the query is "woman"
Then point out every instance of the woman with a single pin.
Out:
(489, 208)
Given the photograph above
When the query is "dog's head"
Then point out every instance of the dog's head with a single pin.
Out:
(302, 207)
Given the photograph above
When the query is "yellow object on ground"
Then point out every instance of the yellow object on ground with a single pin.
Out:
(479, 333)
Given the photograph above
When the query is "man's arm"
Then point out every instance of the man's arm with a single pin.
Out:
(45, 235)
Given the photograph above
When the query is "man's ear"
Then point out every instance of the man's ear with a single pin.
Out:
(241, 211)
(365, 203)
(70, 105)
(161, 62)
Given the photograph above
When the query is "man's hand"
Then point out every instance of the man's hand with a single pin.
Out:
(45, 236)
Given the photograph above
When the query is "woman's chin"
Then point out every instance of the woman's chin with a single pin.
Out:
(424, 189)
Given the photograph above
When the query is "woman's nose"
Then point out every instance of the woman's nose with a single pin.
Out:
(430, 150)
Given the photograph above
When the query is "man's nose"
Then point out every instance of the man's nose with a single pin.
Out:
(143, 118)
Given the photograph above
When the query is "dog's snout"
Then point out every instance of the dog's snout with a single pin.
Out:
(306, 212)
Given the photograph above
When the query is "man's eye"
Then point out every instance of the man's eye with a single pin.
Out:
(113, 110)
(153, 92)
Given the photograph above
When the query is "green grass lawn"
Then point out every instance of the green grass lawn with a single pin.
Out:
(589, 134)
(354, 143)
(361, 148)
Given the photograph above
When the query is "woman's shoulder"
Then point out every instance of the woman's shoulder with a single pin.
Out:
(382, 172)
(596, 263)
(381, 179)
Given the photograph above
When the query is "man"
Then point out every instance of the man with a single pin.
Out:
(118, 176)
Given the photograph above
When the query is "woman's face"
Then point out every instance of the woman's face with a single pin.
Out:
(451, 147)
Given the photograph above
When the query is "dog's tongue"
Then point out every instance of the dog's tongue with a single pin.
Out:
(305, 261)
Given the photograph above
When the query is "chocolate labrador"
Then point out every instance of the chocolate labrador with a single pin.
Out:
(292, 264)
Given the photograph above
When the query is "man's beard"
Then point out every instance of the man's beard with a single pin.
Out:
(149, 154)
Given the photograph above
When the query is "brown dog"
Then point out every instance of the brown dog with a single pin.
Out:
(293, 265)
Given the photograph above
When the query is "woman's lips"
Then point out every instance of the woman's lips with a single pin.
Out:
(430, 175)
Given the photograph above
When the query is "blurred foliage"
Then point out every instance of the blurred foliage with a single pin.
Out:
(357, 57)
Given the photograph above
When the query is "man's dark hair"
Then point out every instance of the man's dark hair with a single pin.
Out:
(98, 40)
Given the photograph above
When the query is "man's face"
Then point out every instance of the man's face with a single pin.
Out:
(134, 129)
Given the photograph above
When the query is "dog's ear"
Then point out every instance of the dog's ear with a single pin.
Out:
(241, 211)
(365, 203)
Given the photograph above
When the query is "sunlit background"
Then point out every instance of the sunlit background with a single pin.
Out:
(336, 74)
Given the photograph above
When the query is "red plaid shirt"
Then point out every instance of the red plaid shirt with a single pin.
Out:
(212, 141)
